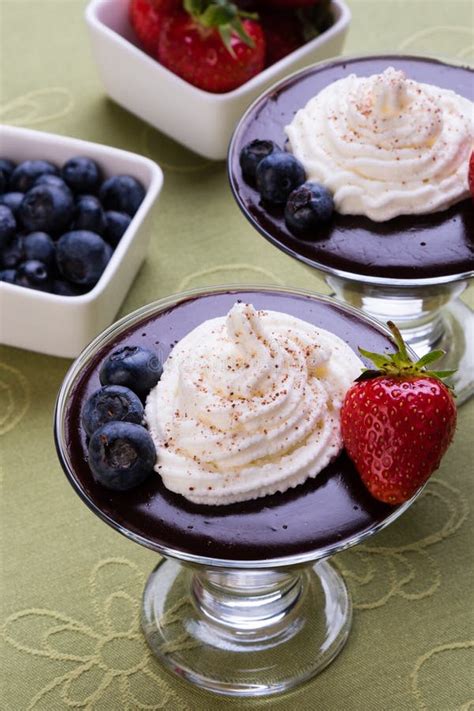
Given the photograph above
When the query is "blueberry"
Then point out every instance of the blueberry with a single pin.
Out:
(13, 253)
(3, 182)
(133, 367)
(12, 200)
(309, 207)
(25, 174)
(81, 257)
(53, 180)
(65, 288)
(116, 224)
(111, 402)
(34, 275)
(7, 167)
(7, 226)
(278, 175)
(39, 245)
(121, 455)
(83, 175)
(46, 208)
(8, 276)
(122, 193)
(252, 154)
(89, 215)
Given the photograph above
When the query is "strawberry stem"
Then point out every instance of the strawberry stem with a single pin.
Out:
(222, 15)
(399, 364)
(399, 341)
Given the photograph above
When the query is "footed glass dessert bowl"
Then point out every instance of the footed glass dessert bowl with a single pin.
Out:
(245, 601)
(410, 269)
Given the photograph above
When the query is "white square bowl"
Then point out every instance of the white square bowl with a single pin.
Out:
(63, 325)
(198, 119)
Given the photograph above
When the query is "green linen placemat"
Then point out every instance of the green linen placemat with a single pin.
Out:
(70, 586)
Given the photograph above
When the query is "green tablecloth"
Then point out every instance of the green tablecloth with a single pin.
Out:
(70, 585)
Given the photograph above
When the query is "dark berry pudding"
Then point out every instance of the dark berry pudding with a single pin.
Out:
(389, 138)
(328, 510)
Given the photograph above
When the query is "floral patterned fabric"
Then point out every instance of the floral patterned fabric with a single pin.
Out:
(70, 586)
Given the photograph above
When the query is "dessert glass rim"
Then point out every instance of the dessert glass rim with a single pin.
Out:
(333, 271)
(123, 324)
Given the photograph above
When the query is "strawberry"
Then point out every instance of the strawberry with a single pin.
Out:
(212, 44)
(283, 33)
(470, 176)
(146, 17)
(397, 422)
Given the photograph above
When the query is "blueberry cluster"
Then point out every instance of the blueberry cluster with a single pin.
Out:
(280, 179)
(60, 226)
(121, 451)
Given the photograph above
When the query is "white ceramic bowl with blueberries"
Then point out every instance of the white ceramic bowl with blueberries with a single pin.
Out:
(200, 120)
(75, 222)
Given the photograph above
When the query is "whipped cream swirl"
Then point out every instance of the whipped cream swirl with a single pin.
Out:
(385, 145)
(249, 405)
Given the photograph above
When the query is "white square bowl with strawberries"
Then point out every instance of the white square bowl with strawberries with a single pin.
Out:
(63, 325)
(201, 120)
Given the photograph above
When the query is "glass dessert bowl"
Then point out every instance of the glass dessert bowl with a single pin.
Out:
(411, 269)
(246, 602)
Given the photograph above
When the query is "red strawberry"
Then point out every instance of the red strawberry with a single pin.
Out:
(146, 17)
(283, 33)
(397, 422)
(471, 175)
(215, 49)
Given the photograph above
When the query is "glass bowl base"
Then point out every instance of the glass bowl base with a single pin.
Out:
(246, 633)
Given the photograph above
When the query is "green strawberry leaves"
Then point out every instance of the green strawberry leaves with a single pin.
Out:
(429, 358)
(223, 16)
(218, 14)
(378, 359)
(399, 364)
(226, 36)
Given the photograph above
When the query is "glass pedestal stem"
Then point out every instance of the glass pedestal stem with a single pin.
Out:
(242, 632)
(250, 603)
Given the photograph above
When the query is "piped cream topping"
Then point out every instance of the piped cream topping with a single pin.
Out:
(248, 405)
(386, 145)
